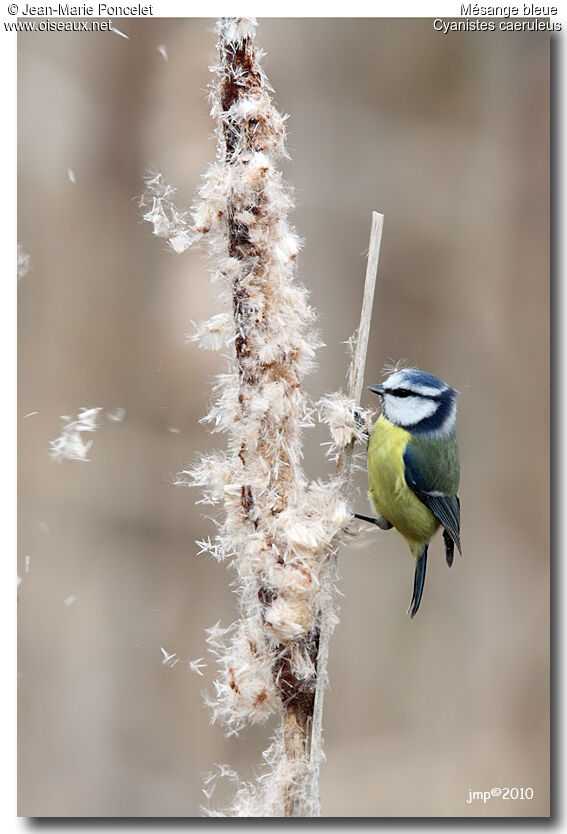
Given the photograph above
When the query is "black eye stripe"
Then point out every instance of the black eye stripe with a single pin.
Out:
(403, 392)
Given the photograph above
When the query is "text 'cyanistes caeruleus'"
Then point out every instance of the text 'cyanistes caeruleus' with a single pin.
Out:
(413, 465)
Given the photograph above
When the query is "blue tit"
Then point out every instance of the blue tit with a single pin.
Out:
(413, 465)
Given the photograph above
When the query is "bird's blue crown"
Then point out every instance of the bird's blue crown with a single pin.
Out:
(419, 402)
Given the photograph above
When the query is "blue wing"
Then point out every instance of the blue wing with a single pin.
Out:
(426, 480)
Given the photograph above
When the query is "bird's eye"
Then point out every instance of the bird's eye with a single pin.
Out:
(400, 392)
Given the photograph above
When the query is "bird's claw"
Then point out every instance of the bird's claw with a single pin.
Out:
(380, 521)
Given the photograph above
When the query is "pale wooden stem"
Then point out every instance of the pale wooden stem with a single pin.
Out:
(344, 471)
(356, 372)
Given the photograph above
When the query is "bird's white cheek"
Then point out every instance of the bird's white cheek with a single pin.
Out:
(408, 411)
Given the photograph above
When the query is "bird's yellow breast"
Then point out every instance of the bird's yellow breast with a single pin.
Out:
(389, 491)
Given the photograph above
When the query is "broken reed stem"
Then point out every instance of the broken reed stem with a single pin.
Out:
(356, 373)
(343, 474)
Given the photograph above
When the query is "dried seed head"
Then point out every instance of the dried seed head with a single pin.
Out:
(278, 530)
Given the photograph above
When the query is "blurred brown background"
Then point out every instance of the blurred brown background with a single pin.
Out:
(448, 136)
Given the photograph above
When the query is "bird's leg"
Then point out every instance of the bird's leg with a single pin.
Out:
(380, 522)
(449, 547)
(361, 424)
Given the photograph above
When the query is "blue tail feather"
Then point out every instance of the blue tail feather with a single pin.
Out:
(418, 582)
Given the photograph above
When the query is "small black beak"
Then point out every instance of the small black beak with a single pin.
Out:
(376, 389)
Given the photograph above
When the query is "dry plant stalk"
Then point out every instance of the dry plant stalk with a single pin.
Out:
(279, 532)
(343, 475)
